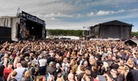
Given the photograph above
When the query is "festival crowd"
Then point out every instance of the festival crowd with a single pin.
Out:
(68, 60)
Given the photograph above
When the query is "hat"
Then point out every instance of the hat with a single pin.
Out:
(26, 58)
(51, 63)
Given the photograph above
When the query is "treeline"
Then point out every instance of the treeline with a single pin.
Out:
(65, 32)
(74, 32)
(135, 34)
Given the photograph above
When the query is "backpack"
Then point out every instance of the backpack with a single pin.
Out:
(31, 69)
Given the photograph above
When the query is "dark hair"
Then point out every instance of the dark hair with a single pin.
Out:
(59, 75)
(103, 70)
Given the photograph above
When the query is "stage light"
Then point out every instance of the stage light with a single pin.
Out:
(32, 27)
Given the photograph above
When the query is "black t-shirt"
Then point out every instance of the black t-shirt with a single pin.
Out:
(1, 70)
(53, 59)
(79, 76)
(12, 79)
(120, 77)
(132, 75)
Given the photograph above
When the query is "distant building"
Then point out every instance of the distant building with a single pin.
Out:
(67, 37)
(111, 29)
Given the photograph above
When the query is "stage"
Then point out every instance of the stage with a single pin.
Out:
(24, 26)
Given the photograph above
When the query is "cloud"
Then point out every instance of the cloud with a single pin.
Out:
(36, 6)
(53, 18)
(101, 12)
(120, 11)
(108, 2)
(104, 12)
(66, 25)
(79, 15)
(133, 10)
(90, 14)
(121, 17)
(58, 15)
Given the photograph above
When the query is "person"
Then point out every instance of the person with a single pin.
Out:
(121, 73)
(74, 66)
(58, 70)
(60, 77)
(20, 71)
(51, 78)
(71, 76)
(65, 68)
(40, 78)
(12, 76)
(31, 69)
(130, 63)
(42, 65)
(86, 65)
(51, 57)
(113, 74)
(7, 70)
(80, 72)
(6, 57)
(1, 72)
(87, 76)
(94, 72)
(27, 76)
(132, 75)
(50, 70)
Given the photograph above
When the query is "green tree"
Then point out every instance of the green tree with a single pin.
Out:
(134, 34)
(65, 32)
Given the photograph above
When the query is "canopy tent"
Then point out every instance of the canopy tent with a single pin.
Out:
(132, 42)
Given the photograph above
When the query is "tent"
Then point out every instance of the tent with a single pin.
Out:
(132, 42)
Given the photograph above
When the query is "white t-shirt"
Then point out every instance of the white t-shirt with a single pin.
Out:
(20, 72)
(65, 66)
(35, 62)
(42, 62)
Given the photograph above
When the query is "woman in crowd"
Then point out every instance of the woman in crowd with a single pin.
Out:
(87, 76)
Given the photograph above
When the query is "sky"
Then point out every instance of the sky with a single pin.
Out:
(75, 14)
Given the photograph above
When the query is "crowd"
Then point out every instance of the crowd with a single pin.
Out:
(68, 60)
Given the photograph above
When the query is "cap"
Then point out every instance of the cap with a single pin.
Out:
(51, 63)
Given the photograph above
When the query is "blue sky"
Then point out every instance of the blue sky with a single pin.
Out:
(75, 14)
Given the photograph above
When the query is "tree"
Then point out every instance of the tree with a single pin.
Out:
(134, 34)
(65, 32)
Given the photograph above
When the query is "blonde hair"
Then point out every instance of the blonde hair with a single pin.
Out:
(126, 70)
(130, 62)
(27, 73)
(40, 78)
(93, 61)
(87, 75)
(60, 79)
(88, 72)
